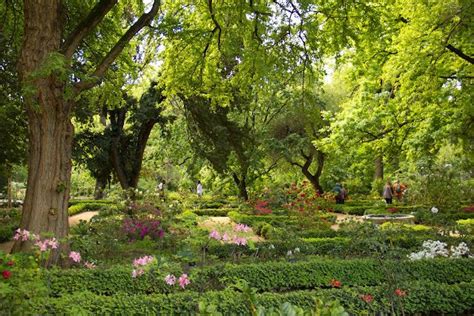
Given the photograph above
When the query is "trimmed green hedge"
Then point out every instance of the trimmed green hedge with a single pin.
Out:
(74, 202)
(87, 206)
(274, 220)
(214, 211)
(422, 297)
(267, 276)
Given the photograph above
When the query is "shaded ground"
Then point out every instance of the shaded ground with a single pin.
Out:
(73, 220)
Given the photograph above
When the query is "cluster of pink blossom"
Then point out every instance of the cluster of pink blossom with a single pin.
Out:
(22, 234)
(183, 280)
(139, 263)
(75, 256)
(143, 261)
(240, 241)
(47, 243)
(226, 238)
(241, 228)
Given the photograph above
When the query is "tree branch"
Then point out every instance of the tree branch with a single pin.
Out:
(460, 53)
(218, 27)
(100, 70)
(89, 23)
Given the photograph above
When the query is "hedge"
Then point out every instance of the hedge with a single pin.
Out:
(422, 297)
(267, 276)
(87, 206)
(74, 202)
(214, 211)
(274, 220)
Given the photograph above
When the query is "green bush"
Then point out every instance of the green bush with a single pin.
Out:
(423, 297)
(213, 211)
(266, 276)
(74, 202)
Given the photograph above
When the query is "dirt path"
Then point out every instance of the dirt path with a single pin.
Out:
(341, 218)
(224, 224)
(73, 220)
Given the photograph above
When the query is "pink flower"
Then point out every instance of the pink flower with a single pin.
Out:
(241, 228)
(225, 237)
(75, 256)
(21, 234)
(170, 279)
(215, 235)
(89, 265)
(42, 245)
(7, 274)
(137, 273)
(53, 243)
(143, 261)
(241, 241)
(183, 280)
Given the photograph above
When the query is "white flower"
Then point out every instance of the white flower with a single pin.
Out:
(297, 250)
(434, 210)
(289, 253)
(271, 246)
(462, 250)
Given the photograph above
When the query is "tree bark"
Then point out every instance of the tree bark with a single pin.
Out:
(378, 174)
(314, 178)
(100, 184)
(242, 185)
(50, 130)
(9, 190)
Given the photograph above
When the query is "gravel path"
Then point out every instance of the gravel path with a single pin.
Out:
(73, 220)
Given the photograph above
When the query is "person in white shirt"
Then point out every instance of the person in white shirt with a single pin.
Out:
(199, 188)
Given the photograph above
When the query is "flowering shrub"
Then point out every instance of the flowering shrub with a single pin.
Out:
(140, 264)
(261, 208)
(393, 210)
(400, 293)
(336, 283)
(183, 280)
(137, 229)
(432, 249)
(367, 298)
(75, 256)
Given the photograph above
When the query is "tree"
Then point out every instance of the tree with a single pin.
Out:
(51, 87)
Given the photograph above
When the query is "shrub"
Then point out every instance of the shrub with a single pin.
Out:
(267, 276)
(423, 298)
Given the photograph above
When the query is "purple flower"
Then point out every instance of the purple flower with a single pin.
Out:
(143, 261)
(225, 237)
(241, 241)
(21, 234)
(215, 235)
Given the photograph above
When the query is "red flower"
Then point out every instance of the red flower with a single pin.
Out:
(10, 263)
(336, 283)
(6, 274)
(392, 210)
(367, 298)
(400, 293)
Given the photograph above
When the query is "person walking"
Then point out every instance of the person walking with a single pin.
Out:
(343, 194)
(398, 190)
(199, 188)
(338, 191)
(387, 192)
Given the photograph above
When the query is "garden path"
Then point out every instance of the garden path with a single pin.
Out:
(73, 220)
(341, 218)
(224, 223)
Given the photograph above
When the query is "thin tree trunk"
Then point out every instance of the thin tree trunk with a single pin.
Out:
(378, 174)
(9, 189)
(242, 185)
(100, 184)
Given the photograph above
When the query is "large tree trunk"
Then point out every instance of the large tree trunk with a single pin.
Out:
(49, 127)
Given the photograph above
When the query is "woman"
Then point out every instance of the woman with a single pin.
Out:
(387, 192)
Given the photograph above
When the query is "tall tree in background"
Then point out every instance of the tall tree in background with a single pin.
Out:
(50, 91)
